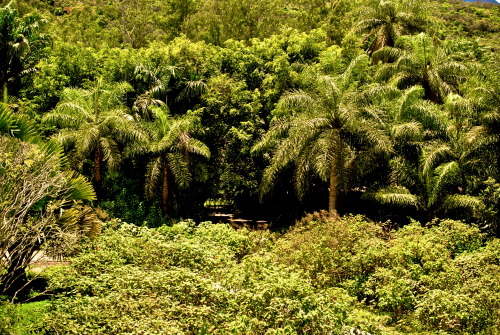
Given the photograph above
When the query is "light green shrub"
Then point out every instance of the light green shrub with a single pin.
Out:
(321, 277)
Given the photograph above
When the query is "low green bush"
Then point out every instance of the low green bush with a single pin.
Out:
(17, 319)
(323, 276)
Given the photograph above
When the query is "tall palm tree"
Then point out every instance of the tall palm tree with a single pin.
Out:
(21, 40)
(325, 131)
(93, 123)
(414, 60)
(387, 20)
(168, 150)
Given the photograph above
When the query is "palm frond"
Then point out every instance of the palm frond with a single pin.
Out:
(473, 204)
(294, 101)
(80, 187)
(153, 174)
(110, 153)
(197, 147)
(192, 88)
(407, 132)
(394, 196)
(445, 175)
(179, 168)
(435, 155)
(16, 125)
(387, 54)
(87, 141)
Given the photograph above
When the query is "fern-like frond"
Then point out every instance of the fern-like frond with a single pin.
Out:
(197, 147)
(110, 153)
(153, 175)
(394, 196)
(445, 175)
(474, 205)
(294, 101)
(179, 168)
(407, 132)
(435, 155)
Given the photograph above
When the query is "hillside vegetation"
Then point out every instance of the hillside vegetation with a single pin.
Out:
(323, 276)
(160, 113)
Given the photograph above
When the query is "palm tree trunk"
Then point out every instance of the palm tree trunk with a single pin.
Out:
(164, 191)
(334, 174)
(332, 193)
(98, 171)
(5, 93)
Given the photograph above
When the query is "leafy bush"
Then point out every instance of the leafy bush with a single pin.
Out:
(408, 275)
(330, 252)
(187, 279)
(323, 276)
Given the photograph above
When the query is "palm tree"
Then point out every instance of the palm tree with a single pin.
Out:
(326, 131)
(168, 85)
(93, 123)
(485, 137)
(21, 41)
(168, 151)
(437, 185)
(416, 61)
(386, 21)
(155, 81)
(433, 167)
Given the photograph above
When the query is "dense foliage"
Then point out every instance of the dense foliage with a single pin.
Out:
(152, 111)
(323, 276)
(367, 103)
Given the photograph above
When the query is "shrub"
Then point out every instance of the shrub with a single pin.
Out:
(332, 251)
(321, 277)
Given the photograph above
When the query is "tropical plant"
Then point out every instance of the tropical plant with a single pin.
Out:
(156, 80)
(168, 151)
(93, 123)
(21, 41)
(325, 131)
(485, 137)
(16, 125)
(39, 203)
(387, 20)
(433, 166)
(414, 60)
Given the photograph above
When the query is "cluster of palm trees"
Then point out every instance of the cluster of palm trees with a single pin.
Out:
(406, 122)
(431, 121)
(96, 125)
